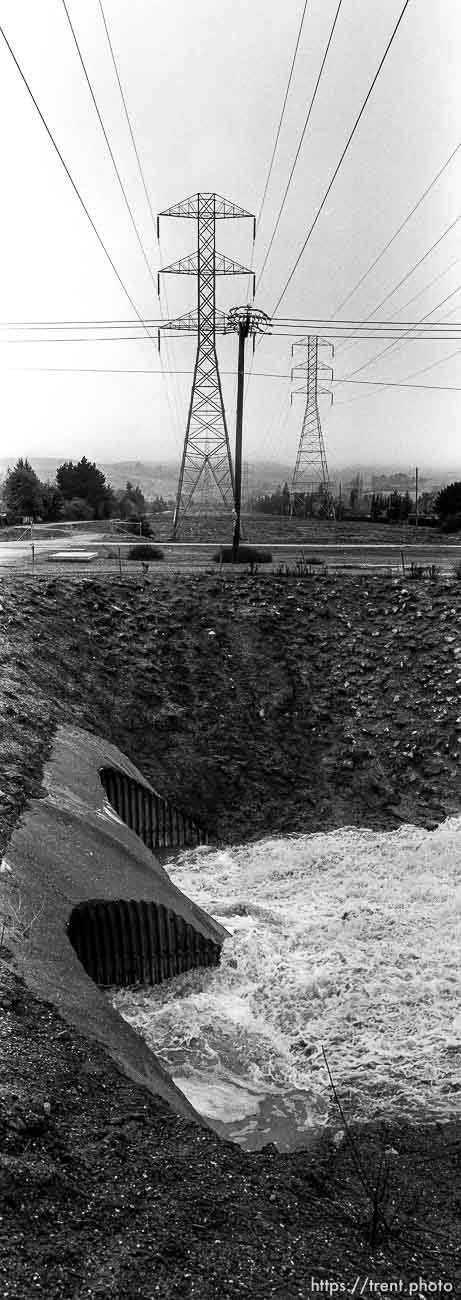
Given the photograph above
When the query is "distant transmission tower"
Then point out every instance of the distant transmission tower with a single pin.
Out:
(310, 486)
(206, 475)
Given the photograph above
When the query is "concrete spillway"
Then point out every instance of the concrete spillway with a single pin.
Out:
(88, 904)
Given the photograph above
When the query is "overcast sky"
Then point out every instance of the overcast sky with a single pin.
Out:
(204, 83)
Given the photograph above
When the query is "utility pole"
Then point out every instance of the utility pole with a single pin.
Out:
(246, 320)
(310, 474)
(206, 473)
(416, 497)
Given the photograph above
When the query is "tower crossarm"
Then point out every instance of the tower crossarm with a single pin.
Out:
(223, 209)
(188, 323)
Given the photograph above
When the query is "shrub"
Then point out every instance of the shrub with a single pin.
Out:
(138, 526)
(246, 555)
(457, 570)
(145, 552)
(451, 524)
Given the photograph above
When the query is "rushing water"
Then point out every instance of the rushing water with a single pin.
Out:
(347, 941)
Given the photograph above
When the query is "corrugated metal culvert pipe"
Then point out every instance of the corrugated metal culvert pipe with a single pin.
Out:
(128, 942)
(153, 818)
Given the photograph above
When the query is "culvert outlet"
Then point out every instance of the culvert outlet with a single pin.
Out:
(77, 869)
(157, 822)
(128, 942)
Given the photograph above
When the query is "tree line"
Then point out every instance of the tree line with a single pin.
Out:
(443, 507)
(79, 491)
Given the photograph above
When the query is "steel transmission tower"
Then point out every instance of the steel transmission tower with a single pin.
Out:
(206, 475)
(310, 482)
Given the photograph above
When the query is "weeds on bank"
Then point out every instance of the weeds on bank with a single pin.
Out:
(387, 1217)
(304, 567)
(17, 923)
(430, 571)
(375, 1182)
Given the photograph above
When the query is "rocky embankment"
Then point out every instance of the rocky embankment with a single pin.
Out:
(259, 704)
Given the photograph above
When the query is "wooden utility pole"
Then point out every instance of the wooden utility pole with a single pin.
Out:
(244, 330)
(247, 320)
(416, 498)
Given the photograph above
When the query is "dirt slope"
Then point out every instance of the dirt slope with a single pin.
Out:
(259, 704)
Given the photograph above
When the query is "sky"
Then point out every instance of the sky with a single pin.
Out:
(204, 82)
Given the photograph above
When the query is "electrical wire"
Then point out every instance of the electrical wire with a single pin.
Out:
(430, 335)
(258, 374)
(343, 155)
(411, 272)
(379, 383)
(279, 128)
(314, 324)
(127, 115)
(398, 231)
(426, 287)
(175, 397)
(106, 138)
(378, 355)
(306, 124)
(277, 136)
(73, 183)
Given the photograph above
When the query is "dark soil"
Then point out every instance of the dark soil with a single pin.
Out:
(260, 704)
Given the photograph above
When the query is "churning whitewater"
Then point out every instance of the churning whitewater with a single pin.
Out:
(347, 941)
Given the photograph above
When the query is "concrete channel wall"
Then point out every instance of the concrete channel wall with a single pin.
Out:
(88, 904)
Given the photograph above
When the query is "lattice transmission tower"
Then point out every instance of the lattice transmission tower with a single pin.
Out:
(206, 477)
(310, 486)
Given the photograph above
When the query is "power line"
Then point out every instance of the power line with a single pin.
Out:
(379, 383)
(343, 155)
(266, 187)
(106, 138)
(429, 286)
(411, 272)
(274, 151)
(391, 345)
(397, 232)
(299, 323)
(306, 123)
(430, 335)
(441, 361)
(146, 192)
(127, 115)
(258, 374)
(71, 179)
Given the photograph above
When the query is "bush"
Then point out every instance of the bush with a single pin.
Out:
(77, 509)
(451, 524)
(138, 526)
(246, 555)
(457, 570)
(145, 552)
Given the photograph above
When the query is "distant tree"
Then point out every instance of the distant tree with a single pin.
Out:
(130, 502)
(448, 501)
(85, 481)
(77, 508)
(52, 502)
(400, 506)
(157, 506)
(273, 503)
(22, 493)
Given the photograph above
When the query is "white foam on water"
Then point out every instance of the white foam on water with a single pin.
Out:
(348, 941)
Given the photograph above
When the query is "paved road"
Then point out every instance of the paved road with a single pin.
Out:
(374, 556)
